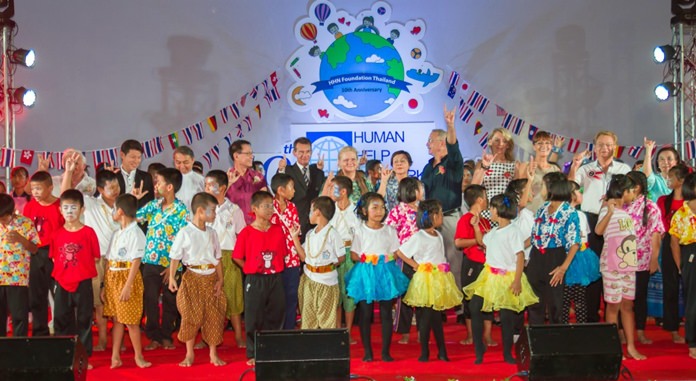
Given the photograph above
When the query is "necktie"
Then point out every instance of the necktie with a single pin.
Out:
(305, 174)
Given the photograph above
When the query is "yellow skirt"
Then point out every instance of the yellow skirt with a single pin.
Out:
(493, 286)
(433, 287)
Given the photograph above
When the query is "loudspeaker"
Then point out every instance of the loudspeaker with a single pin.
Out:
(570, 352)
(322, 354)
(60, 358)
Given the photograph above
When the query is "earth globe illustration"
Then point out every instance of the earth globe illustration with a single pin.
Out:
(361, 53)
(328, 147)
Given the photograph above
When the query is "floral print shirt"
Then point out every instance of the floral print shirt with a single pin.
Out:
(390, 197)
(14, 258)
(683, 225)
(560, 229)
(403, 219)
(287, 219)
(644, 232)
(162, 227)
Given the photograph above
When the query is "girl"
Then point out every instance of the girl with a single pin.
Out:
(619, 260)
(502, 284)
(583, 270)
(668, 205)
(683, 243)
(433, 288)
(667, 157)
(375, 276)
(403, 219)
(647, 221)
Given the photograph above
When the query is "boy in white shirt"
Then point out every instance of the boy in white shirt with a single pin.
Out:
(191, 182)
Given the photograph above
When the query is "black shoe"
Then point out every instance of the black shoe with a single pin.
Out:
(423, 358)
(479, 360)
(510, 360)
(443, 357)
(386, 357)
(461, 319)
(367, 358)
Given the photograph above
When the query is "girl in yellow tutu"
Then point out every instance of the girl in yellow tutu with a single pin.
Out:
(502, 285)
(432, 288)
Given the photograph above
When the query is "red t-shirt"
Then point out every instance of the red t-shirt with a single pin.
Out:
(466, 231)
(73, 255)
(667, 214)
(46, 218)
(262, 252)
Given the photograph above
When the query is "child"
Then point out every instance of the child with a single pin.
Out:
(583, 270)
(522, 188)
(345, 221)
(74, 251)
(683, 243)
(191, 181)
(433, 288)
(668, 205)
(44, 211)
(375, 276)
(165, 216)
(619, 260)
(123, 282)
(229, 221)
(19, 177)
(19, 241)
(501, 285)
(469, 238)
(647, 221)
(285, 215)
(260, 251)
(403, 218)
(199, 299)
(323, 250)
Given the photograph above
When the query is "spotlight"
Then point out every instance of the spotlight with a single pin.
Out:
(665, 90)
(25, 57)
(664, 53)
(23, 96)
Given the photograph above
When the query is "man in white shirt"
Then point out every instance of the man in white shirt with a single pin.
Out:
(77, 179)
(130, 176)
(191, 182)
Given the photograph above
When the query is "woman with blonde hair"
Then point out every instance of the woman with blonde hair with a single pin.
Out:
(348, 166)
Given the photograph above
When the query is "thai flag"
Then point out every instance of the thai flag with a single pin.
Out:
(635, 151)
(48, 156)
(147, 151)
(517, 127)
(223, 115)
(274, 94)
(235, 110)
(483, 141)
(188, 135)
(499, 111)
(465, 112)
(265, 86)
(268, 99)
(453, 82)
(58, 163)
(254, 92)
(532, 131)
(113, 156)
(228, 139)
(198, 131)
(207, 158)
(216, 152)
(158, 146)
(691, 149)
(8, 157)
(573, 145)
(247, 121)
(478, 101)
(508, 120)
(240, 134)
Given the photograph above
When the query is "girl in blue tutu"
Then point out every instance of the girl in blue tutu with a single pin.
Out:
(375, 276)
(583, 270)
(502, 285)
(433, 288)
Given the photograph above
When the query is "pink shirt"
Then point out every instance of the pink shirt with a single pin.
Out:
(619, 251)
(644, 232)
(403, 219)
(240, 192)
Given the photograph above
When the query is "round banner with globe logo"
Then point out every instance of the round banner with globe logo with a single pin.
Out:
(358, 68)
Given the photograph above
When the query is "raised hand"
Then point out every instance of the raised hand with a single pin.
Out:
(43, 163)
(487, 159)
(386, 172)
(531, 168)
(558, 141)
(648, 144)
(295, 231)
(363, 158)
(109, 167)
(579, 157)
(474, 221)
(282, 164)
(71, 162)
(138, 191)
(611, 205)
(320, 162)
(449, 116)
(232, 176)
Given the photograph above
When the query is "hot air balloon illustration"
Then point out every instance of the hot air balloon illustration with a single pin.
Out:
(308, 31)
(322, 11)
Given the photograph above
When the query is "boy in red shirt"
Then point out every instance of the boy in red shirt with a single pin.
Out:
(74, 251)
(44, 211)
(260, 251)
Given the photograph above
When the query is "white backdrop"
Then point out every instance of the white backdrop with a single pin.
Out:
(107, 71)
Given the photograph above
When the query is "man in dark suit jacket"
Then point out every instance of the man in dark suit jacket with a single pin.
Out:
(304, 193)
(130, 176)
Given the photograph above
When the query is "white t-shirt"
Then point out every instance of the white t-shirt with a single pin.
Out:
(194, 247)
(321, 249)
(191, 183)
(584, 226)
(98, 216)
(502, 246)
(382, 241)
(345, 222)
(525, 222)
(229, 221)
(425, 248)
(88, 186)
(127, 245)
(595, 183)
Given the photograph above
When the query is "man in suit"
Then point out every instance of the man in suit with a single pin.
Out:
(130, 176)
(308, 179)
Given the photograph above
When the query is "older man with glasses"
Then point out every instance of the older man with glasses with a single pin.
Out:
(244, 181)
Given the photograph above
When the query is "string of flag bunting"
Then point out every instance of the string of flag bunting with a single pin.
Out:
(472, 102)
(238, 115)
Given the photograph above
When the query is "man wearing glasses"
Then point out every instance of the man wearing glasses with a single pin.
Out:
(244, 181)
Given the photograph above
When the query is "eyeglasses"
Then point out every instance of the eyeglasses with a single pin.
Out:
(543, 143)
(250, 153)
(605, 145)
(435, 140)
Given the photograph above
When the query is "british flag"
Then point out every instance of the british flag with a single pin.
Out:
(478, 102)
(453, 82)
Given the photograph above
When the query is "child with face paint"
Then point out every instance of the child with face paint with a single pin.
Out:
(229, 221)
(199, 298)
(44, 211)
(75, 251)
(345, 221)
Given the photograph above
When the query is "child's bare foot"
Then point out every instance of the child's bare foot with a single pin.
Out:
(677, 338)
(692, 353)
(168, 344)
(643, 339)
(116, 363)
(353, 341)
(89, 366)
(404, 339)
(200, 345)
(217, 361)
(153, 345)
(240, 343)
(490, 342)
(633, 353)
(141, 363)
(467, 341)
(251, 362)
(99, 347)
(188, 361)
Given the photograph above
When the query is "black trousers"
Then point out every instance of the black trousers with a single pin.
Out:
(640, 303)
(551, 298)
(404, 312)
(291, 284)
(430, 320)
(470, 271)
(688, 272)
(40, 284)
(264, 306)
(670, 288)
(156, 329)
(365, 323)
(508, 320)
(14, 299)
(593, 292)
(73, 313)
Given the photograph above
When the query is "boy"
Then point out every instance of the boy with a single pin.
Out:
(74, 251)
(199, 299)
(323, 250)
(469, 238)
(44, 211)
(191, 182)
(345, 222)
(165, 216)
(123, 283)
(260, 251)
(19, 178)
(229, 221)
(18, 241)
(285, 215)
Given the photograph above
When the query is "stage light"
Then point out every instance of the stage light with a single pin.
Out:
(23, 96)
(25, 57)
(664, 53)
(666, 90)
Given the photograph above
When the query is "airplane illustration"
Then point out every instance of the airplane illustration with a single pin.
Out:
(418, 75)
